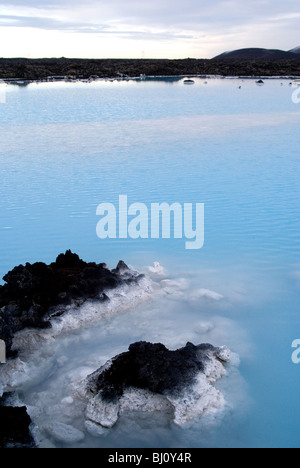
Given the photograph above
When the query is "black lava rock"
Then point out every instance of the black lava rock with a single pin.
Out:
(32, 291)
(152, 367)
(283, 64)
(14, 427)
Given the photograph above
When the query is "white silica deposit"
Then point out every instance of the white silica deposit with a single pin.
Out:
(51, 371)
(200, 398)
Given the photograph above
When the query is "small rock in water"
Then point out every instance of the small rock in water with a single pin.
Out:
(157, 269)
(224, 354)
(94, 429)
(64, 433)
(101, 412)
(150, 377)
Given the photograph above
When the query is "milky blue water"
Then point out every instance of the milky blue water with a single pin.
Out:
(65, 148)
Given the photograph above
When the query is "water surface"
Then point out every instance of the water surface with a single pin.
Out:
(65, 148)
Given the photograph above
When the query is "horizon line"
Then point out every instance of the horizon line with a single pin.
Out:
(143, 58)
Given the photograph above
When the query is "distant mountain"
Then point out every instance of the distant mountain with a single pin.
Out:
(296, 50)
(259, 54)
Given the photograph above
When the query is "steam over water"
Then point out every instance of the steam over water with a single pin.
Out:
(64, 149)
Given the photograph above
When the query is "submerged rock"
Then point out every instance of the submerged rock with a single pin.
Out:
(64, 432)
(149, 377)
(33, 294)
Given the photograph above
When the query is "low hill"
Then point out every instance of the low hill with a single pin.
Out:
(258, 54)
(296, 50)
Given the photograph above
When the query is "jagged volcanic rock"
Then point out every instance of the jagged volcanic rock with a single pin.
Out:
(149, 375)
(34, 293)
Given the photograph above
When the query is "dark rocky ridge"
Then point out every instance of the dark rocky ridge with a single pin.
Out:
(257, 54)
(152, 367)
(38, 69)
(34, 293)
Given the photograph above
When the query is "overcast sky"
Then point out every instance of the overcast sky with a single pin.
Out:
(145, 28)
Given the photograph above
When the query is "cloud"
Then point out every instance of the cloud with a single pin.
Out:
(51, 24)
(160, 13)
(47, 23)
(208, 25)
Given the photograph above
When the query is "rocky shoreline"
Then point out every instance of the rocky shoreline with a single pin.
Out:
(40, 300)
(42, 69)
(35, 294)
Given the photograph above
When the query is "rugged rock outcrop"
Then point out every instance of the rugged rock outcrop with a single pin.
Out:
(150, 377)
(33, 294)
